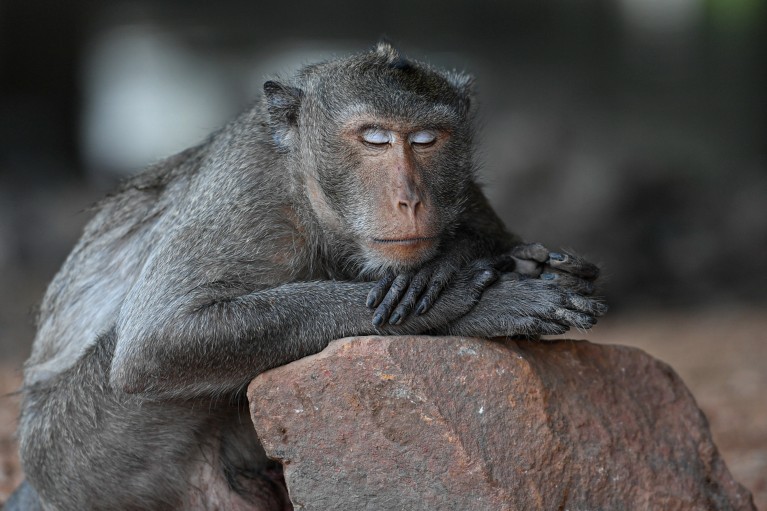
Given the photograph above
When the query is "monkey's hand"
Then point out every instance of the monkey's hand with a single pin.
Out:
(564, 269)
(519, 305)
(396, 295)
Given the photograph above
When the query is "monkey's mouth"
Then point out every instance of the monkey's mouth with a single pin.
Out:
(405, 251)
(405, 241)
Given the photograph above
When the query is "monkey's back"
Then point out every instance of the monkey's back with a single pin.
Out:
(84, 298)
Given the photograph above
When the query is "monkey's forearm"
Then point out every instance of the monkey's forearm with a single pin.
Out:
(220, 347)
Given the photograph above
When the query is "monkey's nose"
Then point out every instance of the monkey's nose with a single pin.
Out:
(407, 197)
(410, 206)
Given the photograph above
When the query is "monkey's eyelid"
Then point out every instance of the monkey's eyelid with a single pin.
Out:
(423, 137)
(376, 136)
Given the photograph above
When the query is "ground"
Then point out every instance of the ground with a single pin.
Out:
(720, 353)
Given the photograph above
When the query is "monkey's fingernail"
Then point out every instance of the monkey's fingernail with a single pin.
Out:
(371, 301)
(421, 309)
(556, 256)
(378, 320)
(548, 276)
(395, 319)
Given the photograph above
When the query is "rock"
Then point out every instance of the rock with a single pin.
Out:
(381, 423)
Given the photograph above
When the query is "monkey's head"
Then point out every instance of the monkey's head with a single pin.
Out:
(382, 147)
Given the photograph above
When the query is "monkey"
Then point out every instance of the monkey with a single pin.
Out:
(344, 202)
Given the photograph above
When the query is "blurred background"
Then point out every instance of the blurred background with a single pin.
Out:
(632, 131)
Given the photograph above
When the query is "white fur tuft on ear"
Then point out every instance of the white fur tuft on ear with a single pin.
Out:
(463, 82)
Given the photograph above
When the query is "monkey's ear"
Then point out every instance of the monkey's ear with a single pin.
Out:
(392, 55)
(464, 85)
(282, 103)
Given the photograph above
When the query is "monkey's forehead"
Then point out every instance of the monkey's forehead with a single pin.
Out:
(411, 114)
(390, 100)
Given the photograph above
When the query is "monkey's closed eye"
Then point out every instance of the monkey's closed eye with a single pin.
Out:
(423, 138)
(376, 136)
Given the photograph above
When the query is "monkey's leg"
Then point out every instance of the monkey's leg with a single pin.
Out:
(86, 446)
(561, 268)
(83, 446)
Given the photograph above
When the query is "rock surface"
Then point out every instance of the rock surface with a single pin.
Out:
(414, 423)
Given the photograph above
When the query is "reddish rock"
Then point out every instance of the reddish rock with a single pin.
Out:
(415, 423)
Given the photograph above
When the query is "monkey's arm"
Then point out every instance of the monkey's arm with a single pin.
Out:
(207, 347)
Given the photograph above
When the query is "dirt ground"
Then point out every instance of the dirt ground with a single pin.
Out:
(721, 354)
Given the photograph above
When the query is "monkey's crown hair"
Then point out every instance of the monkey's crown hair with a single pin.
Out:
(384, 48)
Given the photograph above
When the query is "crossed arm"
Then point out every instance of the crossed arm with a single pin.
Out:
(219, 348)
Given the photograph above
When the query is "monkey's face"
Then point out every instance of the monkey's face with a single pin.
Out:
(399, 218)
(395, 187)
(384, 151)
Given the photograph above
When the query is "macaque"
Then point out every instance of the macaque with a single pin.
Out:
(343, 203)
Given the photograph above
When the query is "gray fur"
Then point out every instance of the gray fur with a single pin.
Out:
(242, 254)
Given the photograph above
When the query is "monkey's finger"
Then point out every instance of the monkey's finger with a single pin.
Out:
(379, 290)
(417, 286)
(484, 273)
(437, 284)
(573, 318)
(529, 258)
(531, 251)
(476, 278)
(542, 327)
(568, 281)
(427, 300)
(527, 267)
(573, 264)
(483, 278)
(585, 305)
(393, 297)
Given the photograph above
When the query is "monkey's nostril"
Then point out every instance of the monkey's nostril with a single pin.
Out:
(410, 207)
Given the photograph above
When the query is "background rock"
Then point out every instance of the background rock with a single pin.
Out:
(452, 423)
